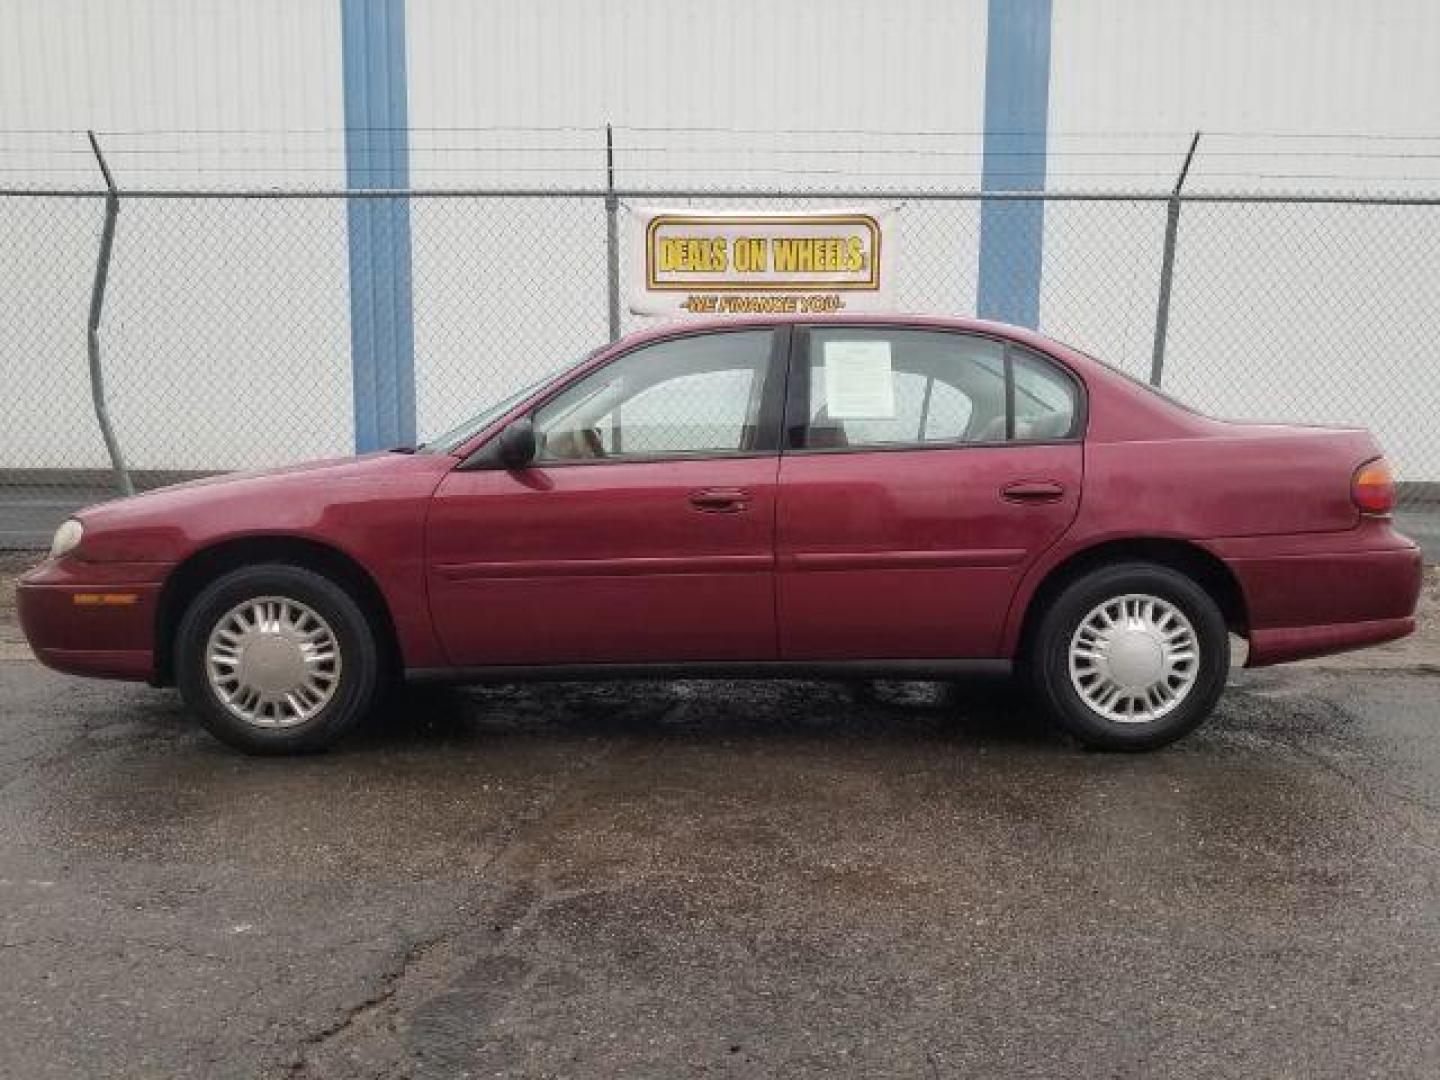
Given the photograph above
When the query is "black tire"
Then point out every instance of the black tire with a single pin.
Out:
(360, 666)
(1048, 663)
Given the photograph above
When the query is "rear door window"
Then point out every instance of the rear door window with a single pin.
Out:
(883, 387)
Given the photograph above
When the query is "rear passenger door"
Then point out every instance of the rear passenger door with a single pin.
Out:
(923, 472)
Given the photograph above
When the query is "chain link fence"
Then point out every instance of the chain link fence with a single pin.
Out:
(226, 321)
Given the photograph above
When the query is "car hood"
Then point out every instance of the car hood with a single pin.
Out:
(295, 499)
(335, 467)
(322, 470)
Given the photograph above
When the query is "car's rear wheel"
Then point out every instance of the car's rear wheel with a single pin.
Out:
(1130, 656)
(276, 659)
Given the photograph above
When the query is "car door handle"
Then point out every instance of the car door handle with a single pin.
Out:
(1033, 491)
(720, 500)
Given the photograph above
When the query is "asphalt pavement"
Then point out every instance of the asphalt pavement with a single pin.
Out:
(724, 879)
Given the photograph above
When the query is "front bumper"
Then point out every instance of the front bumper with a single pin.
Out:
(94, 619)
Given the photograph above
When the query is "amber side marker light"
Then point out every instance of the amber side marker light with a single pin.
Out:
(1372, 489)
(109, 599)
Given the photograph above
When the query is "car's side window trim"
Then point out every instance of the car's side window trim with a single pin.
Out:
(1008, 364)
(797, 391)
(772, 403)
(767, 422)
(797, 395)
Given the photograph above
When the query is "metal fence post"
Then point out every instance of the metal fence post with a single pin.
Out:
(97, 307)
(1167, 267)
(612, 236)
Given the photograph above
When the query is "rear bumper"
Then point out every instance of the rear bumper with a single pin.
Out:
(1311, 603)
(1281, 644)
(95, 619)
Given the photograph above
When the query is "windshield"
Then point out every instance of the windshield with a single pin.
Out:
(449, 441)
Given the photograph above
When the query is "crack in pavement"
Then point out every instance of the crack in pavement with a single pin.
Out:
(360, 1012)
(379, 1007)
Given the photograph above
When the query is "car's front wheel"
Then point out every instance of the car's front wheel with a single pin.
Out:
(276, 659)
(1130, 657)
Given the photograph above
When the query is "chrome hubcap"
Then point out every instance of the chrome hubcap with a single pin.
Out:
(1134, 658)
(273, 661)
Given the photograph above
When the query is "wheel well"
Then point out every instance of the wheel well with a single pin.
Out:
(1205, 569)
(191, 576)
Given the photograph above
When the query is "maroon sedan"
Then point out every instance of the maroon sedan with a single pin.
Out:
(861, 498)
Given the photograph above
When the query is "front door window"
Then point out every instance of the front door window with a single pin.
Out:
(685, 397)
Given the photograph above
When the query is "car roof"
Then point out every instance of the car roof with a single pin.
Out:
(988, 327)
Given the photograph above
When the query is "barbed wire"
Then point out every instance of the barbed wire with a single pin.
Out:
(1370, 164)
(1108, 133)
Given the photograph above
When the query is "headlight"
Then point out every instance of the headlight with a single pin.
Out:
(67, 538)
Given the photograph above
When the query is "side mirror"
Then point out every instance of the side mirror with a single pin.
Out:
(517, 444)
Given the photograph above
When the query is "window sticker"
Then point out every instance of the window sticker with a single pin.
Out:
(859, 380)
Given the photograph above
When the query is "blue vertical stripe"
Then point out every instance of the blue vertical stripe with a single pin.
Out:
(377, 155)
(1017, 106)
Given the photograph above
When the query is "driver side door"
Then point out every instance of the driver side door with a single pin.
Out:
(643, 531)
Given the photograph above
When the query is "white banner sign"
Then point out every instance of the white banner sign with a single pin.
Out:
(722, 262)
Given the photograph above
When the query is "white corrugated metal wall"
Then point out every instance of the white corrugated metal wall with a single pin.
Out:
(231, 93)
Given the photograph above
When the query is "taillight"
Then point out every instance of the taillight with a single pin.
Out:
(1372, 488)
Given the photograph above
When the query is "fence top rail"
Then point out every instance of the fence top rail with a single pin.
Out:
(600, 193)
